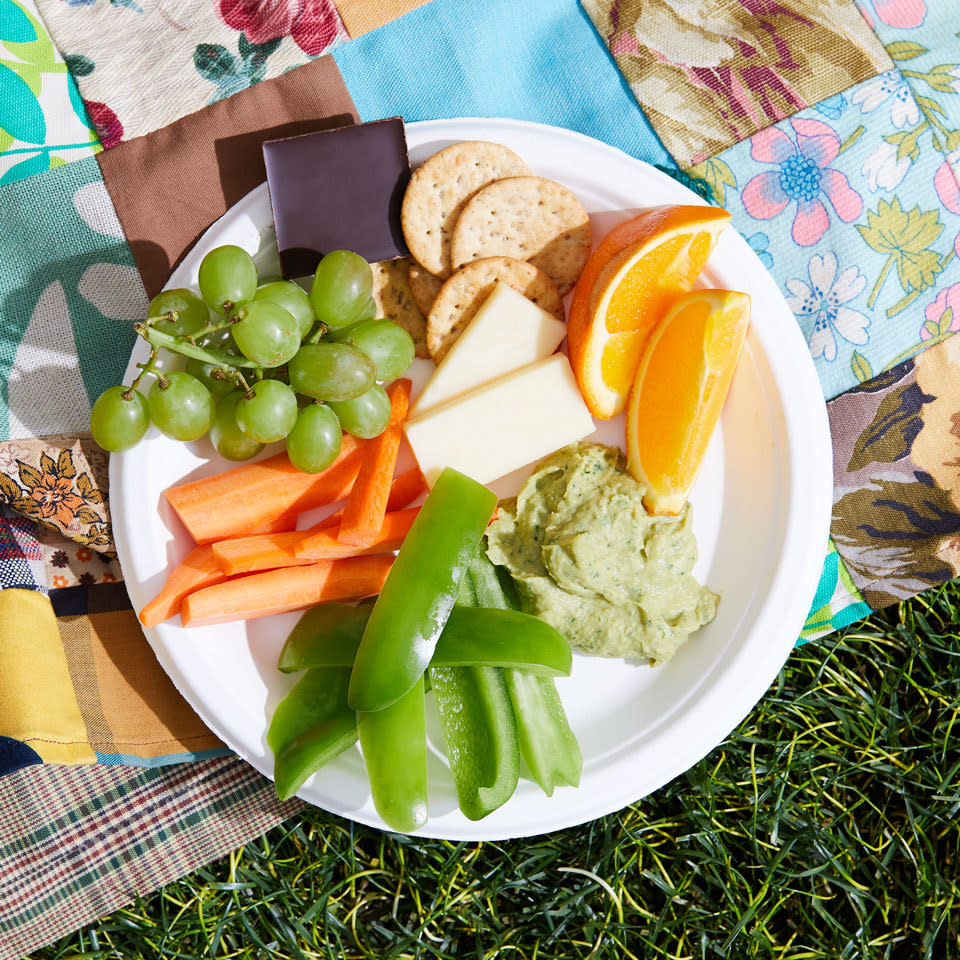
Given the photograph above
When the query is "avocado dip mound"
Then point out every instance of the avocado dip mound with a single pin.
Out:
(588, 559)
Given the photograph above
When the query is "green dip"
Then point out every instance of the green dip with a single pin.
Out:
(587, 557)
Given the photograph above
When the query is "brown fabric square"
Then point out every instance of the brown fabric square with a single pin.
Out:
(170, 185)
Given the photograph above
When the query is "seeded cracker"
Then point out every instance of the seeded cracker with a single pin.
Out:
(438, 190)
(396, 301)
(530, 218)
(425, 286)
(463, 294)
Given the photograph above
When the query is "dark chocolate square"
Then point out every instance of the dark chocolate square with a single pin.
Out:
(338, 190)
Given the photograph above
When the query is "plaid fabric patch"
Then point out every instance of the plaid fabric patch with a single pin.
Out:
(16, 569)
(76, 843)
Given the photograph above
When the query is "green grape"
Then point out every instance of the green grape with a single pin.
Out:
(270, 413)
(365, 416)
(367, 312)
(390, 347)
(341, 287)
(341, 334)
(221, 339)
(292, 298)
(116, 423)
(192, 312)
(314, 442)
(228, 276)
(331, 371)
(183, 409)
(225, 433)
(218, 387)
(266, 333)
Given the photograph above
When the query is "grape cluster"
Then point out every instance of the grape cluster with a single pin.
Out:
(273, 363)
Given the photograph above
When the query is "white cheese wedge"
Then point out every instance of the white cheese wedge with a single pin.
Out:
(502, 425)
(507, 332)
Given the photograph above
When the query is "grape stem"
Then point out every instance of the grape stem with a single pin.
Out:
(211, 327)
(157, 338)
(316, 334)
(148, 367)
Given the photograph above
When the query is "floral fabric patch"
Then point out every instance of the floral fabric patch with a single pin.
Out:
(60, 484)
(43, 123)
(856, 214)
(896, 511)
(709, 75)
(140, 66)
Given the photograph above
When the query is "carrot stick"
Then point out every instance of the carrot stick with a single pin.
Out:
(262, 497)
(267, 551)
(324, 540)
(197, 569)
(286, 589)
(403, 491)
(365, 507)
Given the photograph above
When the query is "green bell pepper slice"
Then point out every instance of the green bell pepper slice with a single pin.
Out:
(420, 591)
(547, 744)
(329, 635)
(394, 744)
(310, 726)
(481, 736)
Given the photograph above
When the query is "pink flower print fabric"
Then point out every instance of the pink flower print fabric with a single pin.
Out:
(803, 177)
(857, 216)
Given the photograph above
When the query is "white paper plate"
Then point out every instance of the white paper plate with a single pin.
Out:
(761, 509)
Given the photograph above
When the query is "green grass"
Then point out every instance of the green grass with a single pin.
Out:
(825, 826)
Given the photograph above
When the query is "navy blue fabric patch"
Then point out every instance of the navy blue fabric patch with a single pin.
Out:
(15, 755)
(81, 600)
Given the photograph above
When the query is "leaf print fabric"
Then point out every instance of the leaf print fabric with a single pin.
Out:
(43, 122)
(153, 64)
(860, 222)
(837, 601)
(68, 289)
(710, 75)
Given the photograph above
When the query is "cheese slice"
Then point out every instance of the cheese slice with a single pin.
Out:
(502, 425)
(507, 332)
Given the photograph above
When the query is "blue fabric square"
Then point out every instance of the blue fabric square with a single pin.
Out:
(538, 61)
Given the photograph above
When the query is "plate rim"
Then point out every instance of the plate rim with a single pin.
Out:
(765, 662)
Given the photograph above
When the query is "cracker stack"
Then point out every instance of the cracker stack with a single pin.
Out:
(473, 214)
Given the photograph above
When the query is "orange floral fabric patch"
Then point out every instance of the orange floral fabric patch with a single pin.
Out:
(61, 483)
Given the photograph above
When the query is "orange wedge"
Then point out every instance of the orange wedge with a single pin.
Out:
(636, 273)
(681, 384)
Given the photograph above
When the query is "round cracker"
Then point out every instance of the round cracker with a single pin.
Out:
(396, 301)
(530, 218)
(438, 189)
(425, 286)
(463, 294)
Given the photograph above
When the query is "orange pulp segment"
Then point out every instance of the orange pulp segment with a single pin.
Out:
(681, 384)
(634, 275)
